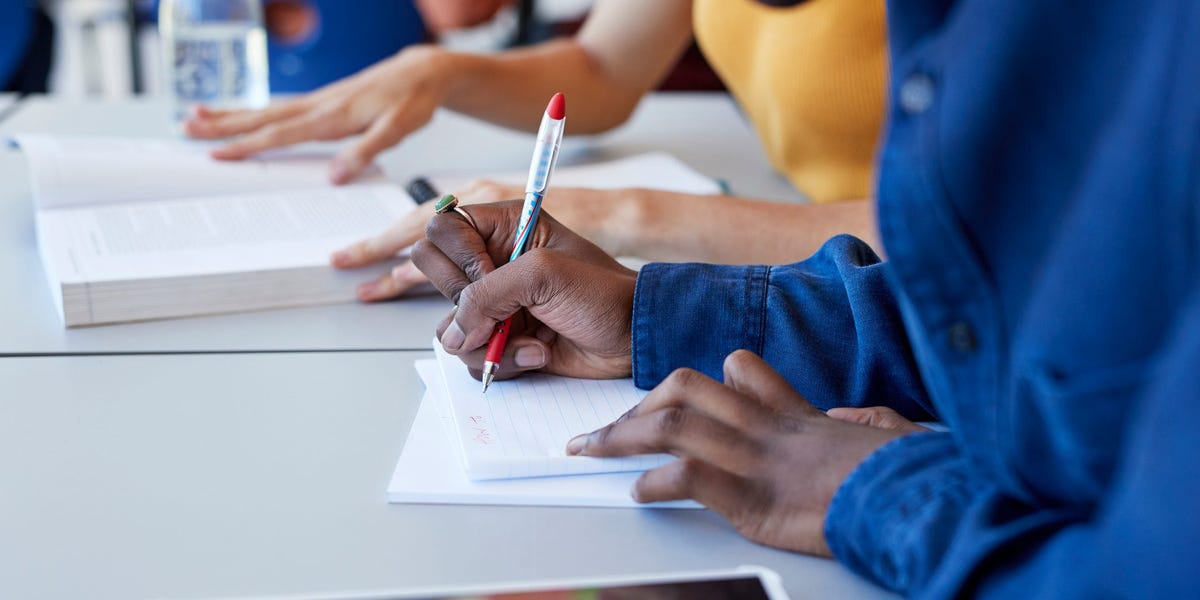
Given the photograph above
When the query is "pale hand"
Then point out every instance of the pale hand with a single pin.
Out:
(586, 211)
(385, 102)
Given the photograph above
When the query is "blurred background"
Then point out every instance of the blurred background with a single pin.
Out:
(110, 48)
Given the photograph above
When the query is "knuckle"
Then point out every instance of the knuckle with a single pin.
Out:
(670, 421)
(877, 416)
(420, 251)
(438, 226)
(466, 259)
(684, 478)
(465, 298)
(599, 439)
(682, 379)
(738, 359)
(269, 133)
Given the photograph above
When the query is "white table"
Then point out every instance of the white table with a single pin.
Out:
(181, 476)
(7, 100)
(704, 130)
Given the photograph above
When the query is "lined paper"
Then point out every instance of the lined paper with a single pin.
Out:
(430, 469)
(521, 427)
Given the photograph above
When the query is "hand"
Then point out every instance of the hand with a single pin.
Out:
(572, 303)
(751, 449)
(587, 211)
(387, 102)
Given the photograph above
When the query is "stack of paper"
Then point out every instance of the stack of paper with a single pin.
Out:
(509, 448)
(132, 230)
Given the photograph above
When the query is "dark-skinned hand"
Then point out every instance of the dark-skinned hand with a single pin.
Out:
(572, 303)
(750, 448)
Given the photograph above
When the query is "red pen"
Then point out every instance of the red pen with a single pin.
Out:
(545, 154)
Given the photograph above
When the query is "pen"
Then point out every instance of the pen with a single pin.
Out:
(545, 154)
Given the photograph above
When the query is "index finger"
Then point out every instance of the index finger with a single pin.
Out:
(452, 255)
(210, 124)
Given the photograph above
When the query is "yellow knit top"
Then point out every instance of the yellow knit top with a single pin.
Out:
(811, 79)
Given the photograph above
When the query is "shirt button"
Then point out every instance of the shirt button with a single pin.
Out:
(916, 94)
(961, 338)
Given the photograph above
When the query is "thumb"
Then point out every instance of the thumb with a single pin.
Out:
(505, 291)
(522, 353)
(876, 416)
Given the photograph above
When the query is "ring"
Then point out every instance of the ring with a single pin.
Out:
(449, 203)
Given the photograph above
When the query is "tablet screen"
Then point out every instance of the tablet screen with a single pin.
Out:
(733, 588)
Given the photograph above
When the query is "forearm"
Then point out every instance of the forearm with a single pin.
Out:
(624, 49)
(527, 78)
(672, 227)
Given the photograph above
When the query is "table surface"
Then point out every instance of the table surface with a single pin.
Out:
(704, 130)
(240, 454)
(183, 476)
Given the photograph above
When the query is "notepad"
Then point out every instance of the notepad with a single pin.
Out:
(521, 427)
(431, 469)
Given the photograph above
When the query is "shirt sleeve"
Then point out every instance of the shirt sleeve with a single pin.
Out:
(829, 324)
(919, 518)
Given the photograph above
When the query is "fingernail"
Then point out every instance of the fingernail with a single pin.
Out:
(530, 356)
(341, 257)
(577, 444)
(633, 492)
(367, 291)
(339, 171)
(454, 337)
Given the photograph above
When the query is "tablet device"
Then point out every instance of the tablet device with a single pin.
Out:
(742, 583)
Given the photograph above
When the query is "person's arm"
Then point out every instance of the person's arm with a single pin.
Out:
(648, 224)
(624, 49)
(669, 226)
(921, 518)
(830, 324)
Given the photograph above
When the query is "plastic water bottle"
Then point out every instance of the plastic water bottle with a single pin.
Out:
(215, 54)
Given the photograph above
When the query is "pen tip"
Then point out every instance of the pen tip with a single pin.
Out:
(487, 380)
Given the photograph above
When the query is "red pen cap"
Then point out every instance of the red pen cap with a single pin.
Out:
(557, 109)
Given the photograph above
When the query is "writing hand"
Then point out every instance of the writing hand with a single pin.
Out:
(750, 448)
(572, 303)
(385, 102)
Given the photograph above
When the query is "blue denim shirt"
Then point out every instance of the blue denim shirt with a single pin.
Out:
(1039, 200)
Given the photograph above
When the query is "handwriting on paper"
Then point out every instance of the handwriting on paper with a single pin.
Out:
(482, 435)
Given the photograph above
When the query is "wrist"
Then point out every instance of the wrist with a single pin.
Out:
(432, 69)
(626, 228)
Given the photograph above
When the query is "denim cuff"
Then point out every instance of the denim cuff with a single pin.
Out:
(893, 518)
(694, 315)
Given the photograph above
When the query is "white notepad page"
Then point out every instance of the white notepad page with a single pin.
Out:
(521, 427)
(430, 469)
